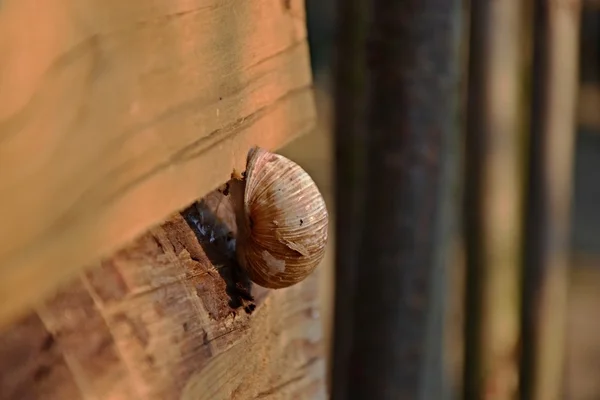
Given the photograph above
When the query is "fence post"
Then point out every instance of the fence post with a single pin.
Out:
(496, 135)
(546, 233)
(396, 305)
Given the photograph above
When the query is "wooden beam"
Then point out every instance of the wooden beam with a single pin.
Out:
(155, 321)
(548, 199)
(495, 138)
(115, 114)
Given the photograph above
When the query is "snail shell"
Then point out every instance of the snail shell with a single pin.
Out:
(281, 218)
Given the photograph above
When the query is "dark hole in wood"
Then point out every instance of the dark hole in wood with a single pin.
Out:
(226, 189)
(48, 342)
(215, 238)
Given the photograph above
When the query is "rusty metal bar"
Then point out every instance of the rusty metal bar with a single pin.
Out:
(412, 98)
(496, 135)
(546, 234)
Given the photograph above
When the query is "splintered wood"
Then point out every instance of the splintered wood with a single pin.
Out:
(115, 114)
(167, 317)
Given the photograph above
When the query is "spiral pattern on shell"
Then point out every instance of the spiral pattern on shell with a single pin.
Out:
(282, 226)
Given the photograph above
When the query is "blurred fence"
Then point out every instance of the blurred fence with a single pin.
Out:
(439, 103)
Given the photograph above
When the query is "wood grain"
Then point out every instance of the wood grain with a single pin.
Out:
(115, 114)
(154, 321)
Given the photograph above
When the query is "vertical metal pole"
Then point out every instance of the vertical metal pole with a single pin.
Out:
(412, 88)
(545, 280)
(493, 199)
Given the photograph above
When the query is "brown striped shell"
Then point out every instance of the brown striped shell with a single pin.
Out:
(282, 220)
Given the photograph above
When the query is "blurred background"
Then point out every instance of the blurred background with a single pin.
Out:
(583, 325)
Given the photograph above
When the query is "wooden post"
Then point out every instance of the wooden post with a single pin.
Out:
(549, 188)
(412, 83)
(114, 117)
(496, 135)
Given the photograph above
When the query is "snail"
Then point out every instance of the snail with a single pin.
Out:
(281, 219)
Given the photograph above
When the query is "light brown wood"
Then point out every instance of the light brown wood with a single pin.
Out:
(115, 114)
(582, 361)
(154, 321)
(492, 241)
(547, 250)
